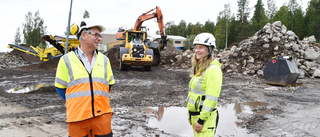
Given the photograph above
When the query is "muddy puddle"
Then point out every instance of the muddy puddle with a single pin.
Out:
(27, 89)
(174, 120)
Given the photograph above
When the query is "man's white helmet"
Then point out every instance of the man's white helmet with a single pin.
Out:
(87, 23)
(205, 39)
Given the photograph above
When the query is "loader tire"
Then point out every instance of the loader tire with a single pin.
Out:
(156, 57)
(123, 50)
(149, 52)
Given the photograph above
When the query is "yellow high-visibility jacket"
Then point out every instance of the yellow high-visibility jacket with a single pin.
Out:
(204, 90)
(87, 95)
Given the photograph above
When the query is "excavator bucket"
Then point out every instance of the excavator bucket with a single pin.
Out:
(281, 71)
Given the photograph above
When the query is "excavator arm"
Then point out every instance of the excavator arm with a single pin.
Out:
(147, 16)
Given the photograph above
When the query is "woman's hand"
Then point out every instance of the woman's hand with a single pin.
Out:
(198, 127)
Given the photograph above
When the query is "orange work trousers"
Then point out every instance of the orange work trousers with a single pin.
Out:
(97, 126)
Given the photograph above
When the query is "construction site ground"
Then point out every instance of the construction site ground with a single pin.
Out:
(153, 103)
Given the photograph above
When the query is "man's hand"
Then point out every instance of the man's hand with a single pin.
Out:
(198, 127)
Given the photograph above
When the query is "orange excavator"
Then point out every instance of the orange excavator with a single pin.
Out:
(137, 49)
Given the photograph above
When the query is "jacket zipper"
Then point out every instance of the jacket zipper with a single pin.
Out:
(92, 95)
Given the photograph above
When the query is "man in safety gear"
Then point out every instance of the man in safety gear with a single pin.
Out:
(204, 87)
(83, 79)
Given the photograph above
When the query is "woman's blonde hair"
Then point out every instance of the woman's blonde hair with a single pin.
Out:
(200, 65)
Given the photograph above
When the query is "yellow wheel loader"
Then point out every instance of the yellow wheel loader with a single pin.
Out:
(137, 50)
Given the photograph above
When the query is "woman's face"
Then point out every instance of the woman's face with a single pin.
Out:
(200, 51)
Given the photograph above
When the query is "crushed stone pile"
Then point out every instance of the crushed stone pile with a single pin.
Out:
(251, 55)
(172, 57)
(12, 60)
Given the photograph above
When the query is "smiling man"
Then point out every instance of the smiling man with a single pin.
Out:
(83, 79)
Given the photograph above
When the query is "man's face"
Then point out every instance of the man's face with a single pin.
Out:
(93, 37)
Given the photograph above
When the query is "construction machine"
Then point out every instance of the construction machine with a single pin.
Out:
(137, 49)
(48, 53)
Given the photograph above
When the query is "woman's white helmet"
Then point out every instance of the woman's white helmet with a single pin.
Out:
(205, 39)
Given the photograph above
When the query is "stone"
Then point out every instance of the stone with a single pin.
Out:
(260, 72)
(311, 54)
(316, 73)
(287, 46)
(283, 29)
(312, 39)
(295, 47)
(275, 39)
(290, 33)
(277, 24)
(265, 46)
(179, 58)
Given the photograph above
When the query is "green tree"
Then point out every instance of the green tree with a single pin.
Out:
(220, 33)
(188, 43)
(259, 18)
(209, 27)
(292, 7)
(170, 28)
(34, 29)
(222, 28)
(86, 14)
(17, 39)
(243, 13)
(233, 33)
(272, 10)
(312, 19)
(282, 15)
(181, 28)
(197, 28)
(299, 27)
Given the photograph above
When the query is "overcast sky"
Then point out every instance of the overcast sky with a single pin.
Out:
(110, 13)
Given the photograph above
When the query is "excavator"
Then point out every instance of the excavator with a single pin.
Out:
(137, 49)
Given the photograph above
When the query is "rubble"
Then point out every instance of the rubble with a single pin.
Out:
(171, 57)
(11, 60)
(251, 55)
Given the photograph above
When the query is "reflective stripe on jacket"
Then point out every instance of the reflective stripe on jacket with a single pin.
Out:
(87, 95)
(204, 90)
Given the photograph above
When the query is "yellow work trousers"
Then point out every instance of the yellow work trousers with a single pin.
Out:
(209, 126)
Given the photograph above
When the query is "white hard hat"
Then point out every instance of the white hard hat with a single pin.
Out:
(87, 23)
(205, 39)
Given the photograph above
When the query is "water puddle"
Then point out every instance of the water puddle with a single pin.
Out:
(175, 120)
(26, 89)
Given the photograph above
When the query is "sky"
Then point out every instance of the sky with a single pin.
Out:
(111, 13)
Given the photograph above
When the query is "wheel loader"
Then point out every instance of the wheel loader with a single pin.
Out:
(137, 49)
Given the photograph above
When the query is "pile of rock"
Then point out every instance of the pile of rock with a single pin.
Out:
(251, 55)
(10, 60)
(171, 57)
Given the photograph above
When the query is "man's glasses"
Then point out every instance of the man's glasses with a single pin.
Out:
(97, 35)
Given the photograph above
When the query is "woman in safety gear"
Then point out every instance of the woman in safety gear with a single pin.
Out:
(204, 87)
(83, 79)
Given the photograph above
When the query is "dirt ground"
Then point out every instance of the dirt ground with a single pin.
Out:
(31, 111)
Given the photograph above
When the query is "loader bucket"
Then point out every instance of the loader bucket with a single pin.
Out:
(281, 71)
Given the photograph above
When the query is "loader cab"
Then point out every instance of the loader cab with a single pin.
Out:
(135, 35)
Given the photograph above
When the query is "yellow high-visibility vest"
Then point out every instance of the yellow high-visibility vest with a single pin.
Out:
(204, 90)
(87, 95)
